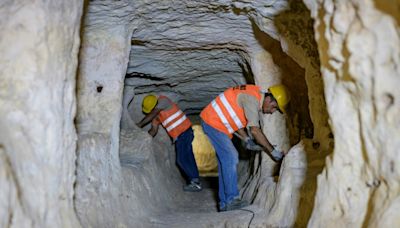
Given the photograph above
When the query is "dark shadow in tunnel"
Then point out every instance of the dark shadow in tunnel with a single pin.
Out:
(293, 76)
(247, 73)
(293, 26)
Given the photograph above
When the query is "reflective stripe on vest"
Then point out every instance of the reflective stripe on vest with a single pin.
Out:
(183, 118)
(173, 116)
(231, 112)
(223, 119)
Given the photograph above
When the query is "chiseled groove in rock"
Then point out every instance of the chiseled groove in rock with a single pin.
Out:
(142, 75)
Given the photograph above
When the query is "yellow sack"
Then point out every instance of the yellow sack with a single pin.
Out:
(204, 153)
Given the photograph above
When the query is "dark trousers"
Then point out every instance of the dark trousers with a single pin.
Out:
(184, 154)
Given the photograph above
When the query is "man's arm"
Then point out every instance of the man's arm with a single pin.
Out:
(149, 117)
(154, 127)
(261, 139)
(251, 110)
(247, 142)
(242, 133)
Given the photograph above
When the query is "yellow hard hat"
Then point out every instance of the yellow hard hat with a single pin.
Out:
(149, 102)
(281, 95)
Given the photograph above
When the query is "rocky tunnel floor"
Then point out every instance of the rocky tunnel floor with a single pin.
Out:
(151, 180)
(199, 209)
(187, 209)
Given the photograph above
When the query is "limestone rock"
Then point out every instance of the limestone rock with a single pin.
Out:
(358, 43)
(39, 45)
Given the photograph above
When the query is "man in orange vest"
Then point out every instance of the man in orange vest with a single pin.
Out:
(161, 110)
(229, 113)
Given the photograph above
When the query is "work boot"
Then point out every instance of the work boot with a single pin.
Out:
(234, 205)
(193, 186)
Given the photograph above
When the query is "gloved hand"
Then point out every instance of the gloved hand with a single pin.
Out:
(277, 155)
(251, 145)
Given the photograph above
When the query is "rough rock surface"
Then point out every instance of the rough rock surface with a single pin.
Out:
(358, 42)
(39, 45)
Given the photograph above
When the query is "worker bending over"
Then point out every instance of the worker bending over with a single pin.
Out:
(161, 110)
(229, 113)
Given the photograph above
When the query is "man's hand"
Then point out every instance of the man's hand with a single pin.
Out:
(277, 155)
(251, 145)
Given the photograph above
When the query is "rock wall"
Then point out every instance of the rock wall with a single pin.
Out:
(39, 51)
(358, 42)
(103, 60)
(291, 25)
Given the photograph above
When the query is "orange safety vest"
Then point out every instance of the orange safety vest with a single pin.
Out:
(224, 113)
(173, 119)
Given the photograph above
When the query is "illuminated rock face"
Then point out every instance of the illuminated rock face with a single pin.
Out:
(359, 48)
(39, 45)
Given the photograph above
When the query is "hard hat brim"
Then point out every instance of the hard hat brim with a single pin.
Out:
(147, 111)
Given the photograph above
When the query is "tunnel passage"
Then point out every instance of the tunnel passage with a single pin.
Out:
(191, 54)
(192, 76)
(192, 93)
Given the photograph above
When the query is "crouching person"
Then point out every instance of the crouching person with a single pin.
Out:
(161, 110)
